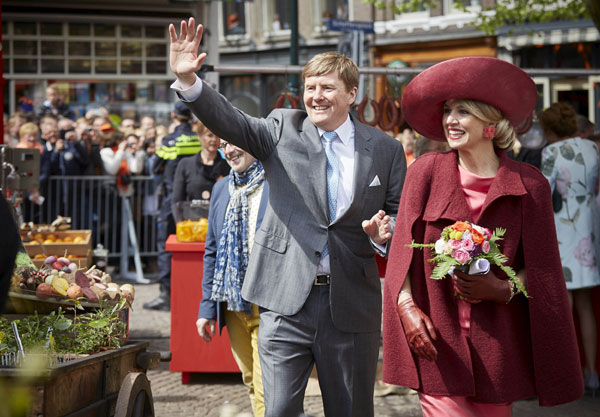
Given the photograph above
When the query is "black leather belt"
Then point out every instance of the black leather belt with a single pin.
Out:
(323, 279)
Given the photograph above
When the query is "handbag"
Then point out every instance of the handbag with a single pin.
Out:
(557, 201)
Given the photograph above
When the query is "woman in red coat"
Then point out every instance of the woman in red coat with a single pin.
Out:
(476, 357)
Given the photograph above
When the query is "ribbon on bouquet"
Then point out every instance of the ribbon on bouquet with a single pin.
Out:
(477, 267)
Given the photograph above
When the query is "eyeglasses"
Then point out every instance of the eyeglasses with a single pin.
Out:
(223, 145)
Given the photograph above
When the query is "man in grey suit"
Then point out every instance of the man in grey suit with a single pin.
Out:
(312, 271)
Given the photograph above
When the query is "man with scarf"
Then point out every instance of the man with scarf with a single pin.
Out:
(236, 210)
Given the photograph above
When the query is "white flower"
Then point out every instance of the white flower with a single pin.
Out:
(440, 246)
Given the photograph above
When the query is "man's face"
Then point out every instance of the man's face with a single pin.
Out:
(146, 123)
(127, 124)
(327, 101)
(51, 135)
(52, 95)
(15, 126)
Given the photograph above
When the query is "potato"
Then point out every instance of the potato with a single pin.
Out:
(74, 291)
(44, 291)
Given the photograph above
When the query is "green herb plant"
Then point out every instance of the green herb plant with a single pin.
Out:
(84, 333)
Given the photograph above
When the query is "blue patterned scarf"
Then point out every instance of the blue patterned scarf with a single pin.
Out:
(232, 252)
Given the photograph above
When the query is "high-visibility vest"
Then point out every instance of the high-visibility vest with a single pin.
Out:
(185, 145)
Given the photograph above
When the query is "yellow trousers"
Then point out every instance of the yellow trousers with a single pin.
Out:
(243, 334)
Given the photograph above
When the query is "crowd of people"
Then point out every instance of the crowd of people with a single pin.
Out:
(95, 144)
(301, 202)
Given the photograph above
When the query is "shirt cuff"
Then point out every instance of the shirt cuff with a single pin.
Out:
(192, 93)
(380, 249)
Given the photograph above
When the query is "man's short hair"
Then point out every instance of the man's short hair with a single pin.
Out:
(327, 62)
(49, 117)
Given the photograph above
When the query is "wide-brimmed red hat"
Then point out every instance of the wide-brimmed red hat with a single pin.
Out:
(490, 80)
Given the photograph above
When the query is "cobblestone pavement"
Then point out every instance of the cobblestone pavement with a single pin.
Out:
(207, 394)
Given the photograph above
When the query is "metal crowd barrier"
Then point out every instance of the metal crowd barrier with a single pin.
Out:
(125, 226)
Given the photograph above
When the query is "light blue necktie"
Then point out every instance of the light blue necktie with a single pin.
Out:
(333, 177)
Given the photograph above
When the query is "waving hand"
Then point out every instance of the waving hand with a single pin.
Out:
(184, 58)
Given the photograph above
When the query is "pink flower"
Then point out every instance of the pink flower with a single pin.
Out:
(455, 244)
(486, 233)
(585, 253)
(461, 256)
(485, 246)
(468, 244)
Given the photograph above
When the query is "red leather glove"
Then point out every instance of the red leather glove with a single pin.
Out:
(418, 329)
(477, 288)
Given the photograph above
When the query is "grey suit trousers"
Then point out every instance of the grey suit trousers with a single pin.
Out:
(289, 346)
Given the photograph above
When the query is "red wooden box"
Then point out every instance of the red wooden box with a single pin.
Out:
(189, 352)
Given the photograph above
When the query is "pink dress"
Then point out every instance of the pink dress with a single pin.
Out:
(475, 189)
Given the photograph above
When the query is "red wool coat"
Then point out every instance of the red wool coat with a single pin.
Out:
(518, 350)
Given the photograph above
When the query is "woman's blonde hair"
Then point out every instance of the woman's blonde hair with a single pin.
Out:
(28, 128)
(200, 128)
(505, 134)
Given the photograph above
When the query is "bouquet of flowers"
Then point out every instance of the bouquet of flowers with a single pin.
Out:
(471, 248)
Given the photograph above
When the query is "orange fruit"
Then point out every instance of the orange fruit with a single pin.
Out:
(78, 239)
(68, 239)
(39, 256)
(47, 241)
(51, 236)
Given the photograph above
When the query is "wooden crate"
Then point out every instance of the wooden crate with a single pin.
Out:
(58, 248)
(81, 261)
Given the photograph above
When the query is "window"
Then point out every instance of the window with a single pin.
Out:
(24, 28)
(131, 49)
(452, 6)
(334, 9)
(117, 55)
(53, 48)
(131, 31)
(234, 17)
(25, 47)
(84, 48)
(422, 9)
(104, 30)
(80, 48)
(51, 29)
(79, 29)
(277, 16)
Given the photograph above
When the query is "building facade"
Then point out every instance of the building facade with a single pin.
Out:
(429, 36)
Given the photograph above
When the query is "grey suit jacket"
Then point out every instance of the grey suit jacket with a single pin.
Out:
(296, 227)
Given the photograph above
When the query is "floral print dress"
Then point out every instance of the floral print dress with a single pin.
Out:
(571, 166)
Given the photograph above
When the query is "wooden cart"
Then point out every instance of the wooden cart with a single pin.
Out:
(111, 383)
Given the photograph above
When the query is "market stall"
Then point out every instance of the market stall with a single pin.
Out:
(64, 346)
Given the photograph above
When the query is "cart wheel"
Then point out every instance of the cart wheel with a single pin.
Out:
(135, 397)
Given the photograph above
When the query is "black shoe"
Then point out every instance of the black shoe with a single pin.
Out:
(161, 303)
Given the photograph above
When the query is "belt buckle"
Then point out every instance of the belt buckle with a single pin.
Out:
(322, 279)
